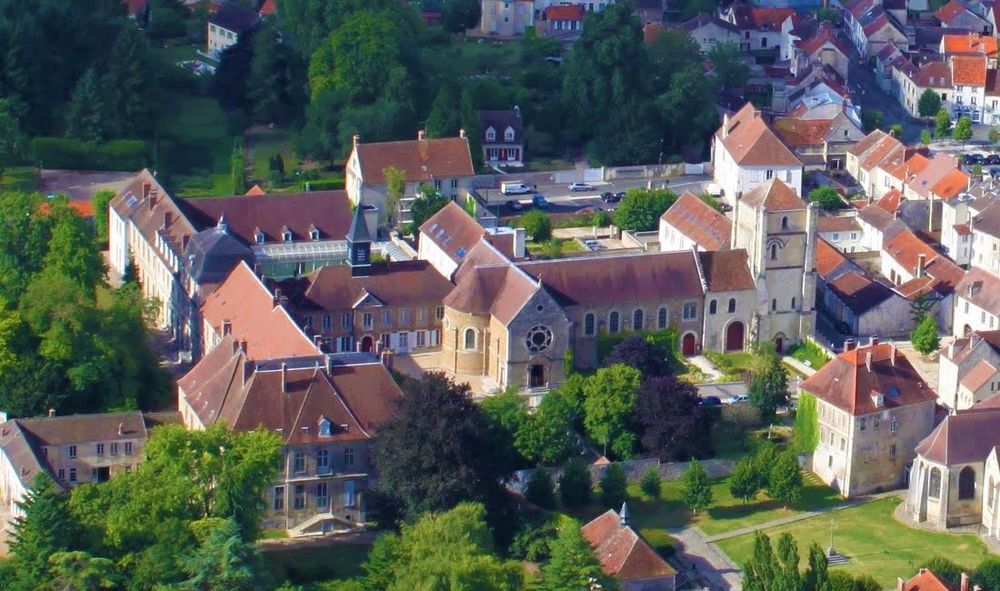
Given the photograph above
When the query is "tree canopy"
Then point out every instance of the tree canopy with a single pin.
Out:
(826, 198)
(929, 103)
(641, 209)
(674, 424)
(611, 395)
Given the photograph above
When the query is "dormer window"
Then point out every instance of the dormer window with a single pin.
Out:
(509, 134)
(258, 236)
(491, 134)
(313, 233)
(286, 234)
(324, 427)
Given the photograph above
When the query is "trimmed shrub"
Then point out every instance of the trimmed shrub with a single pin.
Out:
(72, 154)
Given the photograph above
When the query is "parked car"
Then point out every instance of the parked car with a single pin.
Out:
(612, 197)
(995, 172)
(971, 159)
(514, 204)
(992, 159)
(540, 201)
(737, 399)
(580, 187)
(514, 188)
(725, 207)
(711, 401)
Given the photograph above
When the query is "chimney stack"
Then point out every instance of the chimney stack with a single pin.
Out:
(121, 429)
(52, 412)
(355, 140)
(461, 132)
(849, 345)
(284, 377)
(873, 340)
(868, 360)
(277, 296)
(421, 135)
(921, 264)
(900, 583)
(167, 218)
(227, 327)
(964, 586)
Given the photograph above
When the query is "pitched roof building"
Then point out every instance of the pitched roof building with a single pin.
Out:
(692, 222)
(624, 555)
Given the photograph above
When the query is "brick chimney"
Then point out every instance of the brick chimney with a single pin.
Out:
(355, 140)
(921, 264)
(52, 412)
(277, 296)
(167, 218)
(461, 133)
(873, 340)
(284, 377)
(227, 327)
(121, 429)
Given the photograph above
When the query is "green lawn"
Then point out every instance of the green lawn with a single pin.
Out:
(20, 178)
(877, 544)
(809, 354)
(726, 514)
(555, 248)
(195, 146)
(732, 365)
(318, 563)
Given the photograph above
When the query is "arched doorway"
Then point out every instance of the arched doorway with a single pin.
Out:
(366, 345)
(688, 344)
(734, 336)
(779, 344)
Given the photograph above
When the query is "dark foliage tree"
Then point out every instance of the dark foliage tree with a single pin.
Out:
(788, 561)
(816, 577)
(635, 351)
(12, 143)
(229, 84)
(540, 489)
(675, 426)
(129, 84)
(613, 486)
(768, 388)
(445, 117)
(730, 64)
(987, 573)
(87, 116)
(459, 15)
(224, 559)
(309, 22)
(575, 484)
(426, 205)
(508, 411)
(547, 436)
(438, 449)
(277, 78)
(44, 529)
(785, 479)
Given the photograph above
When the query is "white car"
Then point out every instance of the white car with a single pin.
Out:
(580, 187)
(737, 399)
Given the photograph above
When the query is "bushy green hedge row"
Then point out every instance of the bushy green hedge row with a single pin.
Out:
(325, 185)
(72, 154)
(806, 431)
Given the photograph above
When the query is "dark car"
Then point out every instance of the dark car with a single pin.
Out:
(514, 204)
(972, 159)
(711, 401)
(611, 197)
(992, 159)
(540, 201)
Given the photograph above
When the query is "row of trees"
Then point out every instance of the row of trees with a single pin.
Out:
(777, 567)
(186, 516)
(67, 341)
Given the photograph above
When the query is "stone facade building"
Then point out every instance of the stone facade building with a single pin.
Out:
(873, 409)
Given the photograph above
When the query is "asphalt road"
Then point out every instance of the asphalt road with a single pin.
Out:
(562, 200)
(724, 391)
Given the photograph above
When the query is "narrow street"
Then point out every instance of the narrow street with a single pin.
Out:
(869, 95)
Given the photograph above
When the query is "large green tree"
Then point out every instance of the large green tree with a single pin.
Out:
(547, 436)
(826, 198)
(508, 411)
(439, 448)
(608, 407)
(785, 479)
(641, 209)
(459, 15)
(929, 103)
(445, 117)
(428, 203)
(277, 78)
(223, 559)
(768, 388)
(129, 84)
(730, 64)
(11, 137)
(44, 529)
(963, 129)
(88, 118)
(696, 488)
(925, 336)
(573, 564)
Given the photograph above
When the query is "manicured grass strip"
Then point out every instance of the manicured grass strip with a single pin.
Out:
(877, 544)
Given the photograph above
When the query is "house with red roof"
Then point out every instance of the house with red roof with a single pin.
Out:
(825, 48)
(692, 223)
(563, 21)
(925, 580)
(872, 409)
(762, 29)
(871, 27)
(625, 556)
(746, 152)
(955, 15)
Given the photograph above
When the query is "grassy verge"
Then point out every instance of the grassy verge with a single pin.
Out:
(195, 146)
(732, 365)
(555, 248)
(809, 354)
(876, 543)
(313, 564)
(20, 178)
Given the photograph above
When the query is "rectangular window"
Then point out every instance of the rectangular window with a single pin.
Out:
(323, 460)
(437, 184)
(300, 496)
(439, 312)
(71, 452)
(344, 344)
(421, 316)
(61, 474)
(854, 235)
(435, 338)
(321, 495)
(386, 317)
(345, 320)
(100, 449)
(386, 340)
(768, 174)
(877, 421)
(836, 237)
(114, 448)
(348, 456)
(893, 425)
(72, 474)
(421, 338)
(404, 340)
(454, 183)
(349, 493)
(366, 320)
(661, 318)
(326, 322)
(690, 311)
(862, 423)
(278, 498)
(128, 448)
(843, 444)
(299, 462)
(404, 317)
(892, 450)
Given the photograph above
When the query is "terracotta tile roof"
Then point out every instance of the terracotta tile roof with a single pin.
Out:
(134, 6)
(253, 316)
(255, 191)
(398, 284)
(751, 142)
(802, 132)
(498, 290)
(329, 212)
(905, 248)
(623, 554)
(847, 383)
(890, 201)
(950, 11)
(774, 195)
(726, 270)
(354, 392)
(268, 8)
(420, 160)
(565, 12)
(484, 253)
(633, 278)
(858, 292)
(151, 210)
(965, 345)
(762, 18)
(885, 149)
(829, 260)
(880, 219)
(23, 452)
(650, 32)
(64, 430)
(981, 288)
(909, 168)
(962, 229)
(979, 375)
(988, 220)
(951, 184)
(970, 43)
(453, 231)
(696, 220)
(967, 436)
(838, 223)
(969, 70)
(932, 75)
(925, 580)
(825, 35)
